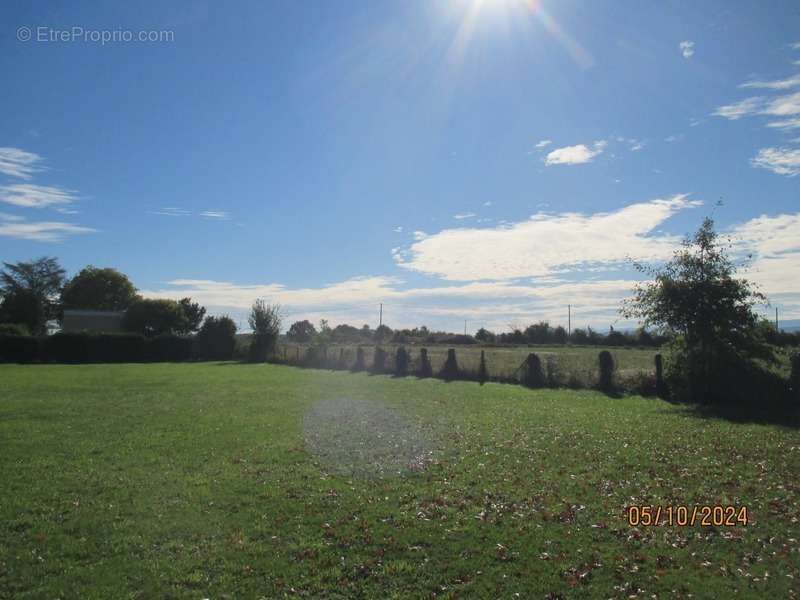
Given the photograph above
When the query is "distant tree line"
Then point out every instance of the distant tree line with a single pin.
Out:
(35, 294)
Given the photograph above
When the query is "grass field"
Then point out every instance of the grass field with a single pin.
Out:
(246, 481)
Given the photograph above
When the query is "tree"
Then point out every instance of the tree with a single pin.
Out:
(153, 317)
(382, 333)
(98, 289)
(560, 335)
(37, 281)
(22, 308)
(193, 315)
(217, 338)
(265, 321)
(484, 335)
(301, 331)
(696, 298)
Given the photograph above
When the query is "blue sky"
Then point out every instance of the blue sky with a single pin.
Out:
(487, 160)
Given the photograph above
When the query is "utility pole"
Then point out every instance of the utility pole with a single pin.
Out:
(465, 327)
(776, 320)
(380, 319)
(569, 321)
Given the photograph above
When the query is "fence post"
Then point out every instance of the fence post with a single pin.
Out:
(606, 361)
(660, 387)
(425, 369)
(450, 369)
(483, 373)
(532, 372)
(401, 362)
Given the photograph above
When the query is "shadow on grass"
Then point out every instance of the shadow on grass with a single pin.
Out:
(737, 413)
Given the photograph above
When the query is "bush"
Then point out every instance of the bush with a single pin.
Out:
(66, 348)
(425, 369)
(360, 364)
(532, 372)
(401, 362)
(606, 363)
(117, 347)
(216, 339)
(18, 348)
(170, 348)
(794, 378)
(13, 329)
(379, 361)
(450, 369)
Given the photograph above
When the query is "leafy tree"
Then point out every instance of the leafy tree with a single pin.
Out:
(560, 335)
(697, 299)
(21, 307)
(265, 321)
(301, 331)
(382, 333)
(538, 333)
(98, 289)
(37, 281)
(217, 338)
(193, 315)
(484, 335)
(153, 317)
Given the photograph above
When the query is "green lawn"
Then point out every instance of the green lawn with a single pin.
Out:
(248, 481)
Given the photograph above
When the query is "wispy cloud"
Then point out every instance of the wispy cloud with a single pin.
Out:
(743, 108)
(778, 84)
(783, 106)
(543, 143)
(546, 243)
(687, 48)
(468, 215)
(783, 161)
(174, 211)
(34, 196)
(19, 163)
(214, 214)
(43, 231)
(673, 138)
(575, 155)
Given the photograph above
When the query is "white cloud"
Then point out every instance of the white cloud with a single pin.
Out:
(774, 242)
(34, 196)
(779, 84)
(468, 215)
(783, 161)
(543, 143)
(786, 124)
(214, 214)
(783, 106)
(398, 229)
(18, 163)
(546, 243)
(743, 108)
(687, 48)
(575, 155)
(46, 231)
(673, 138)
(10, 217)
(487, 203)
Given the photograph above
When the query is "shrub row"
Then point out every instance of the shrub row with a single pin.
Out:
(104, 348)
(533, 372)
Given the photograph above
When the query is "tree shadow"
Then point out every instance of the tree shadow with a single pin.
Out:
(784, 416)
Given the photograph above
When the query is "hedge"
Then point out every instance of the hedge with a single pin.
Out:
(95, 348)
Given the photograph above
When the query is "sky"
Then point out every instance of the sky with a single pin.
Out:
(478, 161)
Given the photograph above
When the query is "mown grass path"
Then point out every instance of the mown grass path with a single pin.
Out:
(201, 480)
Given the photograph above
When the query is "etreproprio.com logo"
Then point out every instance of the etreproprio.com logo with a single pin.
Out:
(43, 33)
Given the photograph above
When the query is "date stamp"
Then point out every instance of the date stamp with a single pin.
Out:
(703, 515)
